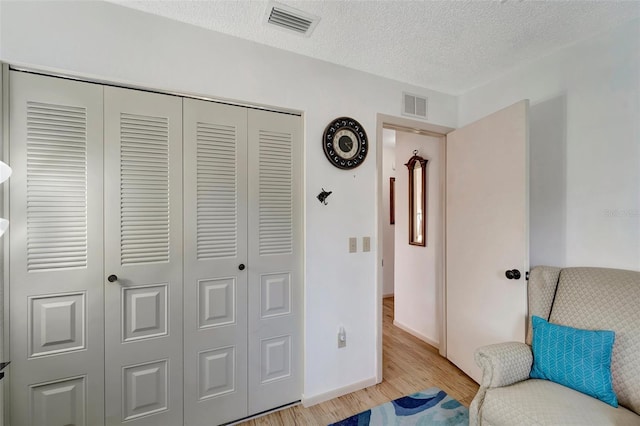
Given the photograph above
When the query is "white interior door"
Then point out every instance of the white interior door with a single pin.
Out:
(143, 254)
(486, 233)
(56, 291)
(215, 244)
(275, 259)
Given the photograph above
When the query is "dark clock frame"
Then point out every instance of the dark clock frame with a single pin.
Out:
(359, 136)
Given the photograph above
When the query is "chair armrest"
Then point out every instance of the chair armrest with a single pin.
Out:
(504, 364)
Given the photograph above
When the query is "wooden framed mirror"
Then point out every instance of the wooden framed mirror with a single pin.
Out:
(417, 200)
(392, 200)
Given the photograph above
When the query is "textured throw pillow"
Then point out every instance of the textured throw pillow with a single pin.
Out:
(578, 359)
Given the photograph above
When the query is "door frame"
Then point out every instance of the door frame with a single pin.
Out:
(5, 402)
(421, 127)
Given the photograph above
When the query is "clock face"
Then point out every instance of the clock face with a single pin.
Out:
(345, 143)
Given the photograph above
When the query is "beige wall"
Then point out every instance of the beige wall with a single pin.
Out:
(584, 148)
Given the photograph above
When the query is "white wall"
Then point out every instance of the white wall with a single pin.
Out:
(416, 294)
(109, 42)
(585, 148)
(388, 230)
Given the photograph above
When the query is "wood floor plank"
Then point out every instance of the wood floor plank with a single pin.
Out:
(409, 365)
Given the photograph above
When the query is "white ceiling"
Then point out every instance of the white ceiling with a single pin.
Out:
(451, 46)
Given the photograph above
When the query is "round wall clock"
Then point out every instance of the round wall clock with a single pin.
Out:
(345, 143)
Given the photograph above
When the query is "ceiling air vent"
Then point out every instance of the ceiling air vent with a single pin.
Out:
(291, 19)
(414, 105)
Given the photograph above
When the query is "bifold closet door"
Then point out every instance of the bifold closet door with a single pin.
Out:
(56, 276)
(98, 324)
(275, 259)
(215, 262)
(143, 258)
(243, 261)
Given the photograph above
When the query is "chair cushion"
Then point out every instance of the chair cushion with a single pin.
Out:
(579, 359)
(606, 299)
(541, 402)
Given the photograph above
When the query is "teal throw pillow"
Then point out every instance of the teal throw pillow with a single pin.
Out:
(578, 359)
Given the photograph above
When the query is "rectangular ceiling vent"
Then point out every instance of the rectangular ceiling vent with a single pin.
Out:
(291, 19)
(414, 105)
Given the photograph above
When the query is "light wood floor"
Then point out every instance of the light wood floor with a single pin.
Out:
(410, 365)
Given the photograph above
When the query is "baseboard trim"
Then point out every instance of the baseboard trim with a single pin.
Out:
(417, 334)
(326, 396)
(384, 296)
(261, 414)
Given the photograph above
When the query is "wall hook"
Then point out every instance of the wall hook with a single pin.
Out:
(323, 196)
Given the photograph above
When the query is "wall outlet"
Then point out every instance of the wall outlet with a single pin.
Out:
(366, 243)
(353, 244)
(342, 338)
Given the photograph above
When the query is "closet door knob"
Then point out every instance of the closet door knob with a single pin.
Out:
(241, 266)
(112, 278)
(513, 274)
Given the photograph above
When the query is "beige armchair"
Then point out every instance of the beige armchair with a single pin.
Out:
(587, 298)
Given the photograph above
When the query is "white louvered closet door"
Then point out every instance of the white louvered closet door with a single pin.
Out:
(215, 244)
(143, 252)
(275, 259)
(56, 287)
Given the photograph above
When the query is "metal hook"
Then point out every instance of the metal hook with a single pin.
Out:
(323, 196)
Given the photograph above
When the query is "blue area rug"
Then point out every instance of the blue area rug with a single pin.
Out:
(431, 407)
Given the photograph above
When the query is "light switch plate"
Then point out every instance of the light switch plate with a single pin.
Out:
(353, 244)
(342, 338)
(366, 243)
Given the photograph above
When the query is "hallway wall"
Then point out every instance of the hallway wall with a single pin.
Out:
(388, 230)
(417, 302)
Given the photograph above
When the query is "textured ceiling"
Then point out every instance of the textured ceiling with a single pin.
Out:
(450, 46)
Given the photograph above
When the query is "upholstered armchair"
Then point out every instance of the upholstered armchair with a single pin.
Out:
(584, 298)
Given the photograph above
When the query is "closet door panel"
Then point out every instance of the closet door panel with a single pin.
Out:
(275, 259)
(56, 246)
(143, 257)
(215, 244)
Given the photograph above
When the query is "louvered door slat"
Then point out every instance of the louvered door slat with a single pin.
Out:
(144, 176)
(217, 204)
(51, 150)
(275, 194)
